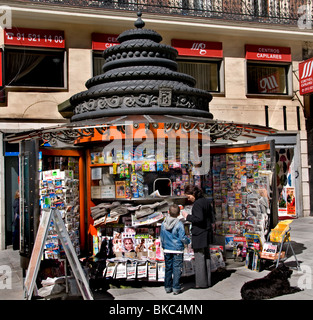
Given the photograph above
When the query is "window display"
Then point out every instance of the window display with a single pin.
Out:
(267, 79)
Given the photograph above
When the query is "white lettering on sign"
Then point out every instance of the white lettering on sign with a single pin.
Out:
(108, 45)
(268, 50)
(34, 37)
(307, 70)
(199, 46)
(10, 35)
(112, 39)
(269, 56)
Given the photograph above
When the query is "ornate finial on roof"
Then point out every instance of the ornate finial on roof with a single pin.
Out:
(139, 22)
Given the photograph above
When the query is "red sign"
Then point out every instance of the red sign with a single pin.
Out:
(306, 76)
(27, 37)
(268, 53)
(102, 41)
(196, 48)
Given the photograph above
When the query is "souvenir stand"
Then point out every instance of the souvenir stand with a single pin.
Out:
(130, 194)
(133, 172)
(125, 204)
(134, 114)
(142, 132)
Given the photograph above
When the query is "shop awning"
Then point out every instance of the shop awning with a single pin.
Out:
(219, 131)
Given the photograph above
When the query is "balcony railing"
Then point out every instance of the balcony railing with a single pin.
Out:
(260, 11)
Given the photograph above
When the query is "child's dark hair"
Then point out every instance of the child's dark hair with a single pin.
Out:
(194, 191)
(174, 210)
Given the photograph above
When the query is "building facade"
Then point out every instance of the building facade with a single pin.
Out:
(246, 53)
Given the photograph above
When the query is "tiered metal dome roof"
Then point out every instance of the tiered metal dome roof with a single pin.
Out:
(140, 84)
(140, 78)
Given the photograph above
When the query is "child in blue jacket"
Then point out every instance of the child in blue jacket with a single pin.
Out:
(173, 239)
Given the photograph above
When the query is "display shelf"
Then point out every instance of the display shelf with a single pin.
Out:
(93, 165)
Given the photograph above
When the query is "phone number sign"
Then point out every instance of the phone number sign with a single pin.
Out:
(28, 37)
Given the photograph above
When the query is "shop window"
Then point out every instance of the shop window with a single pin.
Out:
(35, 68)
(267, 79)
(207, 74)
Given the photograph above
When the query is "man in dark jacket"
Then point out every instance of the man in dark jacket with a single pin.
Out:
(202, 219)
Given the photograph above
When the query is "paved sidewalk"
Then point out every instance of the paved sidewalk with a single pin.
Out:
(226, 286)
(11, 283)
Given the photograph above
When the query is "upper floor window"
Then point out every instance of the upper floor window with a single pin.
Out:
(100, 42)
(34, 58)
(98, 62)
(267, 79)
(34, 68)
(207, 74)
(269, 70)
(203, 60)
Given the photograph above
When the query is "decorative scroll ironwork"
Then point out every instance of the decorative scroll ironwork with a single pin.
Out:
(262, 11)
(66, 136)
(216, 130)
(101, 130)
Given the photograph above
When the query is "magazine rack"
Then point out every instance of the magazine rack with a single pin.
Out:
(280, 235)
(41, 237)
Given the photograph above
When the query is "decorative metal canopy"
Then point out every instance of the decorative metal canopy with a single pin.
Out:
(219, 131)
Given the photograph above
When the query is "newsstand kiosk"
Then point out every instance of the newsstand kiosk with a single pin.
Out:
(139, 134)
